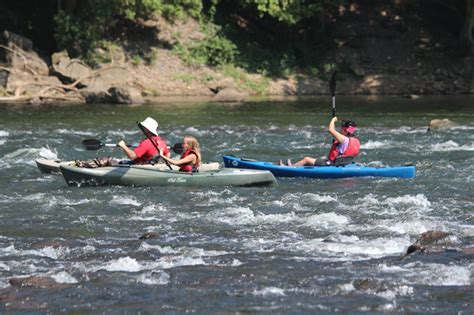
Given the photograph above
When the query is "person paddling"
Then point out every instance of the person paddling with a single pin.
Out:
(145, 151)
(191, 157)
(344, 145)
(142, 154)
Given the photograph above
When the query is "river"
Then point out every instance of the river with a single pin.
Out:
(304, 246)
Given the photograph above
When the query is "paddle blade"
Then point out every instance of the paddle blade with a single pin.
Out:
(178, 148)
(92, 144)
(332, 83)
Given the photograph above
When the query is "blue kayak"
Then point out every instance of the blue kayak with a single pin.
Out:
(349, 170)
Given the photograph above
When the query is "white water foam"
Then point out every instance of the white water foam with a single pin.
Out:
(123, 264)
(50, 252)
(193, 131)
(245, 216)
(406, 130)
(211, 197)
(303, 202)
(451, 145)
(373, 248)
(124, 200)
(27, 156)
(329, 220)
(75, 132)
(122, 133)
(414, 204)
(352, 248)
(154, 278)
(63, 277)
(50, 202)
(411, 227)
(4, 267)
(269, 291)
(431, 274)
(369, 145)
(186, 251)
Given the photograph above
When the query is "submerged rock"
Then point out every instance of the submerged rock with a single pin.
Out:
(433, 242)
(38, 282)
(149, 235)
(440, 124)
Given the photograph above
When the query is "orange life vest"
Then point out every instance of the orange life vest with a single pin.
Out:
(352, 149)
(189, 167)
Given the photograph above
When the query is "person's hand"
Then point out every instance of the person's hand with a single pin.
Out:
(161, 151)
(334, 119)
(121, 144)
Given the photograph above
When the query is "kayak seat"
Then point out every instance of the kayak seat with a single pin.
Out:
(344, 160)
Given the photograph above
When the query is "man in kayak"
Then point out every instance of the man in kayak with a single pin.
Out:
(344, 145)
(145, 151)
(191, 157)
(142, 154)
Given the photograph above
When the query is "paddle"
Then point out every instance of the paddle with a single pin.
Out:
(332, 87)
(95, 144)
(144, 130)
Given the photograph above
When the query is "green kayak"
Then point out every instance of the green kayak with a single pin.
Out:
(139, 175)
(52, 166)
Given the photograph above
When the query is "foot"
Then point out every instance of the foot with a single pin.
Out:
(281, 163)
(289, 162)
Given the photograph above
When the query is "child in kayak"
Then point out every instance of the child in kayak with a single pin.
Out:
(344, 145)
(191, 157)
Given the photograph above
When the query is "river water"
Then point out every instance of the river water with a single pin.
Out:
(304, 246)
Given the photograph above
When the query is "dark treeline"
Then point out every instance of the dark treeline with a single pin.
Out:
(262, 35)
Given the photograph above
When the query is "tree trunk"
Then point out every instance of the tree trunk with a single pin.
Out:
(468, 29)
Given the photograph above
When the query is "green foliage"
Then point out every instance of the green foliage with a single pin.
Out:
(185, 77)
(287, 11)
(3, 92)
(92, 21)
(151, 58)
(214, 50)
(259, 86)
(137, 60)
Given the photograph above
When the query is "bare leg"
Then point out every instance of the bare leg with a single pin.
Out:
(307, 161)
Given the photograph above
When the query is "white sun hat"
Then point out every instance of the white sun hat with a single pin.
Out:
(150, 124)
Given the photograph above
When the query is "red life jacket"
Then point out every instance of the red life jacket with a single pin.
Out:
(352, 149)
(189, 167)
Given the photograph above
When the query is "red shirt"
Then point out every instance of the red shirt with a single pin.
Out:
(146, 150)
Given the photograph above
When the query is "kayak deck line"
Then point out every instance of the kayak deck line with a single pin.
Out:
(52, 166)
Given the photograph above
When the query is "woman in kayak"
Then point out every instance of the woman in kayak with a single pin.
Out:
(344, 145)
(145, 151)
(191, 157)
(143, 154)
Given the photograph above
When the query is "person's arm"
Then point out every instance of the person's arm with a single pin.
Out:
(130, 154)
(188, 159)
(167, 154)
(336, 134)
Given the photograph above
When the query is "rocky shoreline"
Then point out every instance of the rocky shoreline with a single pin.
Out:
(26, 77)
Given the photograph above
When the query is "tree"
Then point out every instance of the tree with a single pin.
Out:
(468, 28)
